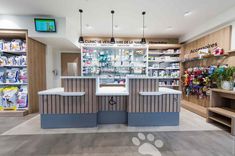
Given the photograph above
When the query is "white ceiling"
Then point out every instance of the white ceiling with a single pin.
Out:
(160, 14)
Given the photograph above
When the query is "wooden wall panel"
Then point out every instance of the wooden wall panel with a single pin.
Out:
(222, 37)
(36, 57)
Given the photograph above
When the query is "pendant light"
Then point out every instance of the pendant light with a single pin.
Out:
(143, 41)
(81, 40)
(112, 40)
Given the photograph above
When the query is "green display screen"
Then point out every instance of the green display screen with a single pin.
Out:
(45, 25)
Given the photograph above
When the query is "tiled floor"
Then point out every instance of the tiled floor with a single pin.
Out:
(194, 137)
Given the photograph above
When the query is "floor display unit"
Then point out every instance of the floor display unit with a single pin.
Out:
(19, 59)
(222, 108)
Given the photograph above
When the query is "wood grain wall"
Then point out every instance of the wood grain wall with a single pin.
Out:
(36, 57)
(223, 38)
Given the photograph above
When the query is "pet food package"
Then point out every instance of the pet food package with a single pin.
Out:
(22, 101)
(2, 75)
(23, 76)
(1, 101)
(16, 45)
(12, 75)
(9, 98)
(7, 46)
(3, 60)
(1, 45)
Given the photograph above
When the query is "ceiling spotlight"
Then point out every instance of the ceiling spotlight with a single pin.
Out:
(81, 40)
(187, 13)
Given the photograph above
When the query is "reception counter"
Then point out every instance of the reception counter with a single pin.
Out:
(84, 103)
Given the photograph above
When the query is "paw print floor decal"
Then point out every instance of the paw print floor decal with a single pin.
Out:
(147, 145)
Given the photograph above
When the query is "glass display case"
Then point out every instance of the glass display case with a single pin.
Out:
(114, 62)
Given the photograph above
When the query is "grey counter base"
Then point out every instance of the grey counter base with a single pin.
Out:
(153, 119)
(112, 117)
(68, 120)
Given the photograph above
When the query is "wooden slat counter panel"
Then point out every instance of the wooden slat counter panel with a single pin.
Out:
(152, 103)
(87, 85)
(56, 104)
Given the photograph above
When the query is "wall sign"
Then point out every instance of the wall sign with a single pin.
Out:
(208, 46)
(220, 38)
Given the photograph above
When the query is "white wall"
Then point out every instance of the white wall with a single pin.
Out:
(27, 22)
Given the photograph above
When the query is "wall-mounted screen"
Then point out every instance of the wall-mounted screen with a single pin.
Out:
(45, 25)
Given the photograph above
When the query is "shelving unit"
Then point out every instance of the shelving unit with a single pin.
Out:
(34, 52)
(222, 108)
(114, 62)
(164, 63)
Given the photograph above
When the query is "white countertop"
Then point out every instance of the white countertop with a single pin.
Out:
(112, 91)
(78, 77)
(60, 91)
(162, 90)
(94, 77)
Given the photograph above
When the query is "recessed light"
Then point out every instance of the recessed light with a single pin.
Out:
(116, 27)
(187, 13)
(169, 28)
(88, 26)
(145, 28)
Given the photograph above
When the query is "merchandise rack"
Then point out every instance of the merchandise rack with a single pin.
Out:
(122, 60)
(160, 50)
(35, 53)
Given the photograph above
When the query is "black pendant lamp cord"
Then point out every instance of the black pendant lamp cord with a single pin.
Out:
(143, 13)
(143, 23)
(80, 10)
(112, 12)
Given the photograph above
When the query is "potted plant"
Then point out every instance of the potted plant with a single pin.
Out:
(224, 77)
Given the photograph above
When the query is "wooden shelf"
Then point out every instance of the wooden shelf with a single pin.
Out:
(223, 91)
(222, 120)
(164, 61)
(225, 111)
(167, 54)
(14, 52)
(17, 113)
(204, 57)
(164, 46)
(231, 51)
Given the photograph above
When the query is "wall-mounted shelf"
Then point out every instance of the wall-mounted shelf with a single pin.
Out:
(231, 51)
(164, 46)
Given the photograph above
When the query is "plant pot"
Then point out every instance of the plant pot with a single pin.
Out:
(227, 85)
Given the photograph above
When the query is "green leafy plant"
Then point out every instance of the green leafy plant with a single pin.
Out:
(222, 74)
(227, 74)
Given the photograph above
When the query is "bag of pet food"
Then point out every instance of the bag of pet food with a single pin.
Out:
(9, 97)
